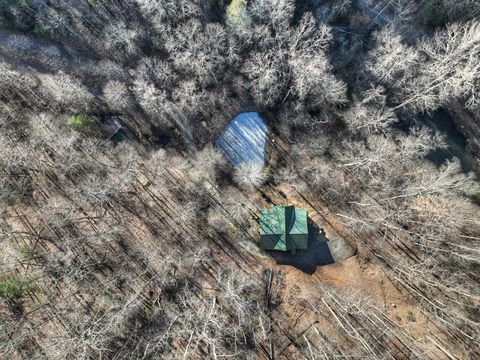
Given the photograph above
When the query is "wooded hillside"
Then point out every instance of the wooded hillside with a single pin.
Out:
(126, 234)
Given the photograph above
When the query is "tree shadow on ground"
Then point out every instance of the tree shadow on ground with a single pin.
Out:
(317, 254)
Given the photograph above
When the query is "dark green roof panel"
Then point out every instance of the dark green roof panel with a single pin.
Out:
(283, 228)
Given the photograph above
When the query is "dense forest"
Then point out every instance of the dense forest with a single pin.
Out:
(126, 234)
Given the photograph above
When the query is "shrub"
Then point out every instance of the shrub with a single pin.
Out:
(27, 252)
(237, 13)
(149, 312)
(11, 288)
(410, 317)
(80, 123)
(476, 198)
(432, 13)
(16, 15)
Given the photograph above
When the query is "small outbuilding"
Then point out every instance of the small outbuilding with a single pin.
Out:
(284, 228)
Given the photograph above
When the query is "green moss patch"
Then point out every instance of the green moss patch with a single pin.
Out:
(80, 123)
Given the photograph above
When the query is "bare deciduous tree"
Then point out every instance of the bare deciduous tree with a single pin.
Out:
(249, 175)
(199, 50)
(117, 95)
(67, 91)
(370, 114)
(267, 75)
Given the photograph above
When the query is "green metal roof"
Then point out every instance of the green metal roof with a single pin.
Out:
(283, 228)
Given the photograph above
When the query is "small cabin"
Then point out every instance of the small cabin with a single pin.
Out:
(284, 228)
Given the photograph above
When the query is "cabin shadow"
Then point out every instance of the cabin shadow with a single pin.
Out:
(317, 254)
(113, 129)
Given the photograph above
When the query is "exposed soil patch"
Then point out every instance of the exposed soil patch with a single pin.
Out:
(328, 240)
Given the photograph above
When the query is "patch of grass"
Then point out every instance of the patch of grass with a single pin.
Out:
(80, 123)
(27, 252)
(12, 288)
(411, 317)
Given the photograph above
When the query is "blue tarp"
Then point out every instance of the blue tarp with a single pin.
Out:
(244, 139)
